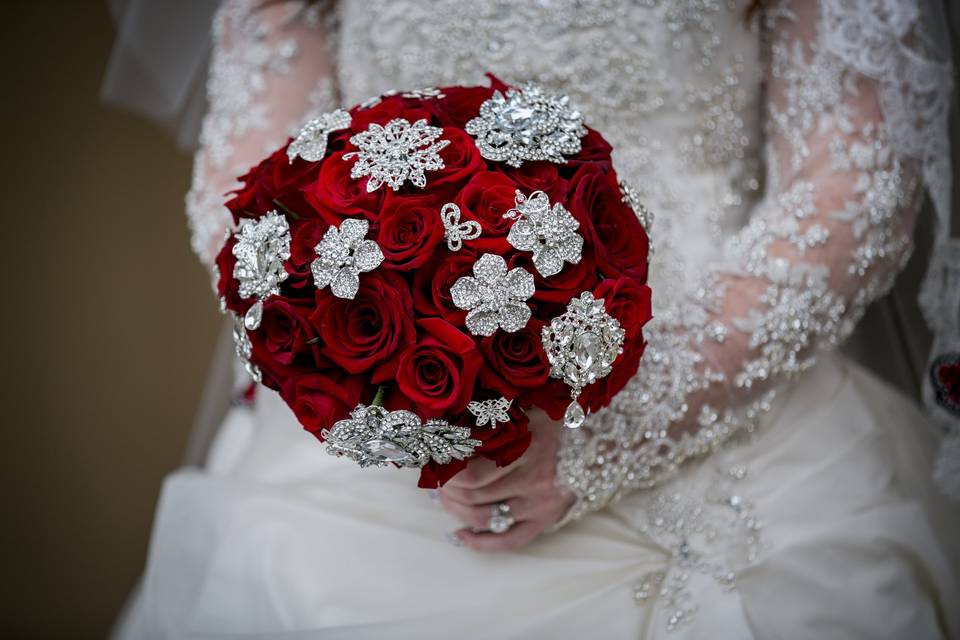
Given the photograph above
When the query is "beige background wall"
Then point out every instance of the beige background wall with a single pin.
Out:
(107, 325)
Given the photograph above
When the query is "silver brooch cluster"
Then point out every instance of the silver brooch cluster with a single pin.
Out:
(529, 123)
(373, 436)
(526, 124)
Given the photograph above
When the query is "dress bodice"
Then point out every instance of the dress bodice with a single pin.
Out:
(674, 86)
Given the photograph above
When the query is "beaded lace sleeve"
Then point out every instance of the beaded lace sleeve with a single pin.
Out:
(830, 235)
(271, 70)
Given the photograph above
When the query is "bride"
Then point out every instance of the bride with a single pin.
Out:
(751, 481)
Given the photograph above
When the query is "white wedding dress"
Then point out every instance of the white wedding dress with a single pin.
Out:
(750, 482)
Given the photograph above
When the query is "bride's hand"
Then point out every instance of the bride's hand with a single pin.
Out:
(527, 486)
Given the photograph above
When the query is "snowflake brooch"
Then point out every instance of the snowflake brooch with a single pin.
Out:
(581, 345)
(549, 232)
(495, 297)
(396, 153)
(262, 246)
(373, 436)
(454, 231)
(490, 411)
(632, 199)
(344, 254)
(527, 124)
(311, 143)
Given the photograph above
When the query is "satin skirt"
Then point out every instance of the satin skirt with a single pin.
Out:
(821, 524)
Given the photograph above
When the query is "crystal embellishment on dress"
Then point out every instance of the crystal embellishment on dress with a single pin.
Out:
(490, 411)
(527, 124)
(632, 199)
(397, 152)
(549, 232)
(344, 254)
(373, 436)
(581, 345)
(244, 350)
(311, 143)
(262, 246)
(494, 297)
(455, 232)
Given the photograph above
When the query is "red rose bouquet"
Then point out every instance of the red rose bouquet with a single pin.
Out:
(413, 274)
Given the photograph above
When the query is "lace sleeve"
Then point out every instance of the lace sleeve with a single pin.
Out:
(830, 235)
(271, 69)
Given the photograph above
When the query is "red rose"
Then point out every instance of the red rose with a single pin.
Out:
(287, 334)
(227, 286)
(594, 150)
(461, 160)
(485, 198)
(459, 104)
(369, 331)
(629, 302)
(569, 283)
(539, 176)
(439, 371)
(273, 180)
(507, 442)
(335, 195)
(389, 108)
(620, 241)
(514, 361)
(321, 399)
(432, 283)
(305, 235)
(408, 230)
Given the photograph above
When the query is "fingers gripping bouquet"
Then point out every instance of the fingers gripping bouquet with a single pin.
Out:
(415, 273)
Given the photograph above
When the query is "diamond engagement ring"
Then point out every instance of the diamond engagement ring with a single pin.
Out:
(500, 519)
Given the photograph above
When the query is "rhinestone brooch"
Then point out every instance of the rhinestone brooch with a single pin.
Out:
(490, 411)
(373, 436)
(311, 143)
(244, 350)
(344, 254)
(397, 152)
(581, 345)
(454, 231)
(494, 297)
(549, 232)
(527, 124)
(262, 246)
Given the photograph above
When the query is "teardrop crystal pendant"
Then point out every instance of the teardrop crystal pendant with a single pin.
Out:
(574, 416)
(254, 315)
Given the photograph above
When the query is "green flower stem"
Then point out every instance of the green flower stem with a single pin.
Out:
(378, 398)
(286, 210)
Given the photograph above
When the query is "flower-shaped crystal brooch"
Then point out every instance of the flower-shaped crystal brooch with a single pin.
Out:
(396, 152)
(494, 297)
(490, 411)
(549, 232)
(581, 345)
(374, 436)
(527, 124)
(344, 254)
(262, 246)
(454, 231)
(311, 143)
